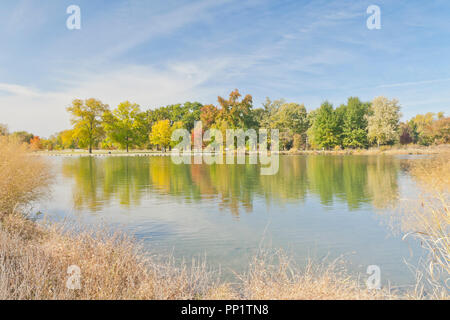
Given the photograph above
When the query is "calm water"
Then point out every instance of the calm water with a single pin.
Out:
(316, 206)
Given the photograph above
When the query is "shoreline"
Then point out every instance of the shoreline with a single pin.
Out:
(407, 150)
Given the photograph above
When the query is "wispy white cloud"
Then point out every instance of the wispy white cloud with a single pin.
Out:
(413, 83)
(43, 112)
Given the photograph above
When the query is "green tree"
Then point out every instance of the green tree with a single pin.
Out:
(324, 131)
(383, 122)
(354, 131)
(265, 115)
(291, 119)
(125, 125)
(192, 112)
(87, 121)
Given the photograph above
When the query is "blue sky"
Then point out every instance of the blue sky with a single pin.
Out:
(164, 52)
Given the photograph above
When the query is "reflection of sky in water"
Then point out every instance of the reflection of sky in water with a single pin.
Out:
(315, 207)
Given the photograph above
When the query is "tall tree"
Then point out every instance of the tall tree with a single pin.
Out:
(192, 112)
(161, 134)
(236, 113)
(125, 126)
(324, 131)
(383, 122)
(423, 124)
(291, 119)
(441, 130)
(354, 131)
(208, 115)
(87, 121)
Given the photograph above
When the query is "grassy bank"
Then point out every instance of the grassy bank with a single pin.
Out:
(35, 257)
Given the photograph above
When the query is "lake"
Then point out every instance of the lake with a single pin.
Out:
(315, 207)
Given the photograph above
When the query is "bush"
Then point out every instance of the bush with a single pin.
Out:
(24, 178)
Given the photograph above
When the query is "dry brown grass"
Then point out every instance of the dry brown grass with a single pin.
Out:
(276, 277)
(429, 222)
(23, 179)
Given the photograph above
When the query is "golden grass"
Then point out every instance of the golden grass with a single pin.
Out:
(274, 276)
(429, 222)
(23, 179)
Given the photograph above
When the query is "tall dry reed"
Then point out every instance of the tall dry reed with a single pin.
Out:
(429, 222)
(23, 178)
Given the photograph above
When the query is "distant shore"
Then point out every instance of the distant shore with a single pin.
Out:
(383, 150)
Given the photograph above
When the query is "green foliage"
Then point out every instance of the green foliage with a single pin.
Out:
(325, 131)
(125, 125)
(354, 131)
(291, 119)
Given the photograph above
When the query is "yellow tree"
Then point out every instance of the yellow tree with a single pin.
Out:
(161, 134)
(68, 141)
(87, 120)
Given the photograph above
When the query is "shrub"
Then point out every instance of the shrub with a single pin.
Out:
(24, 178)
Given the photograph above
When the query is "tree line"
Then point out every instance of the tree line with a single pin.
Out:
(356, 124)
